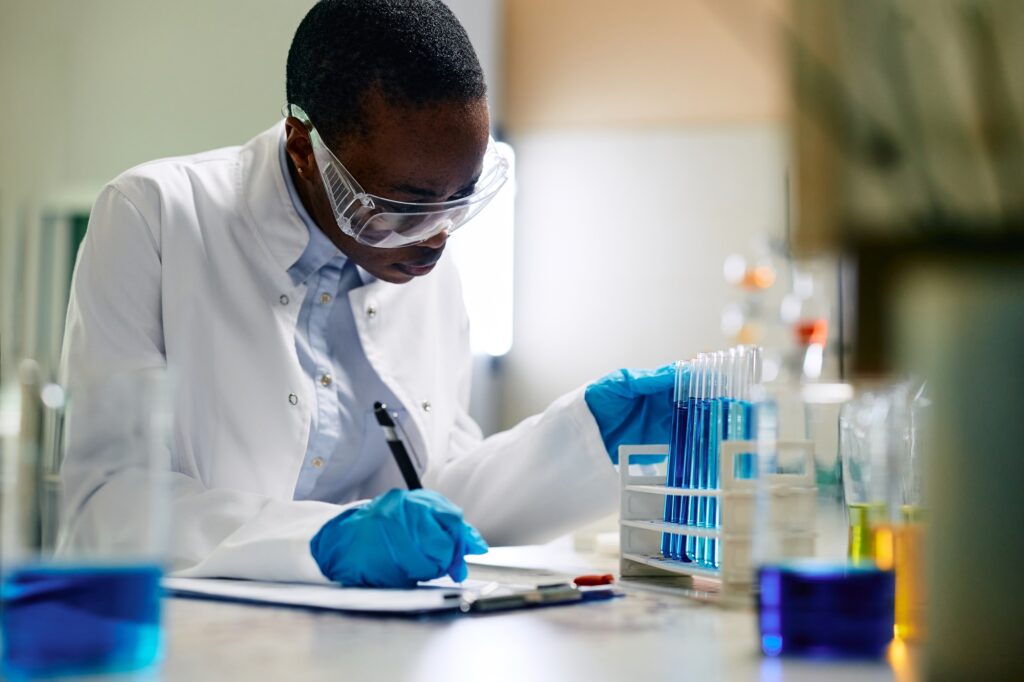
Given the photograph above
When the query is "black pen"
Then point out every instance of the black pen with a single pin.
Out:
(412, 481)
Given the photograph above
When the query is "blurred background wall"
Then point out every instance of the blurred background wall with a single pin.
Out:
(650, 145)
(648, 138)
(94, 88)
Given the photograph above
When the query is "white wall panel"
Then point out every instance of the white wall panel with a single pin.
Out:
(620, 239)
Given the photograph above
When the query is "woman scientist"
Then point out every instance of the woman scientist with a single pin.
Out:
(289, 284)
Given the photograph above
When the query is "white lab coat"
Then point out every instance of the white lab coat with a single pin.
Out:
(185, 266)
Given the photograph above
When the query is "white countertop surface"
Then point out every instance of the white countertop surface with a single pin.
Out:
(643, 636)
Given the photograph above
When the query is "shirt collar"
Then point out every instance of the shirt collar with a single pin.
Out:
(320, 250)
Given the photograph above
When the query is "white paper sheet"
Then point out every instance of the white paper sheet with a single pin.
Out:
(437, 596)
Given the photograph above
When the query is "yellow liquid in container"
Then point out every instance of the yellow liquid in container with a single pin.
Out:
(863, 517)
(901, 546)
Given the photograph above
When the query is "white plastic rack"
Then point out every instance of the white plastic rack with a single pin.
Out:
(643, 509)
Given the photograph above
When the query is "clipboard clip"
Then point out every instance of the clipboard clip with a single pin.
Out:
(484, 600)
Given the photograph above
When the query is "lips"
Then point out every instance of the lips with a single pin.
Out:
(415, 270)
(420, 267)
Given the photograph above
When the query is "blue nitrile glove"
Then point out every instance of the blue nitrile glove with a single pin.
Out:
(398, 539)
(633, 407)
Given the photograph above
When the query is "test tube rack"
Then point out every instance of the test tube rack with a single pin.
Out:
(642, 523)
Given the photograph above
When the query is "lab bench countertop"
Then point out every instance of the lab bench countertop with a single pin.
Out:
(643, 636)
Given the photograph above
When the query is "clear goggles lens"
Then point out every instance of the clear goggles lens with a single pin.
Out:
(385, 223)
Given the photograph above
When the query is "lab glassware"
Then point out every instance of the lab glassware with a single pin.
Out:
(863, 439)
(882, 438)
(93, 605)
(812, 601)
(901, 538)
(677, 457)
(712, 411)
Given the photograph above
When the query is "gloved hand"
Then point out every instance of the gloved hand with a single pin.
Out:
(633, 406)
(398, 539)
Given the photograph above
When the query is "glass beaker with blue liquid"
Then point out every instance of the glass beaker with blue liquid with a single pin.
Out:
(812, 600)
(82, 550)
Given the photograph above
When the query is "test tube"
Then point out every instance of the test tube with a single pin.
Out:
(730, 398)
(684, 478)
(727, 430)
(704, 432)
(693, 470)
(720, 425)
(744, 463)
(709, 457)
(677, 444)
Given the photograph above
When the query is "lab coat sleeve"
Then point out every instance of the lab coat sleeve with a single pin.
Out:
(115, 325)
(534, 482)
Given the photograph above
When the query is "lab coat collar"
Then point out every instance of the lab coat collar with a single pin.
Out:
(270, 210)
(320, 250)
(282, 226)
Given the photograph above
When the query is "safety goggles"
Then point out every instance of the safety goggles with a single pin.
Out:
(385, 223)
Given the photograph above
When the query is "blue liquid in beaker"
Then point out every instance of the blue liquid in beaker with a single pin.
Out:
(823, 610)
(80, 619)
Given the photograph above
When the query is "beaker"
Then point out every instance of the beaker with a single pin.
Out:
(93, 604)
(900, 537)
(812, 601)
(863, 440)
(883, 450)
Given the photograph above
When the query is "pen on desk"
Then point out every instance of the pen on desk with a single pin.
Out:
(397, 447)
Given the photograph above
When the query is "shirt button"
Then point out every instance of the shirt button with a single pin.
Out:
(293, 399)
(325, 379)
(317, 462)
(426, 406)
(371, 312)
(325, 298)
(284, 299)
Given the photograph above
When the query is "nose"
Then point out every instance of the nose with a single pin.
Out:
(436, 241)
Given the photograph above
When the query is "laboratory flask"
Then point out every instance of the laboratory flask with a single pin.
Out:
(91, 604)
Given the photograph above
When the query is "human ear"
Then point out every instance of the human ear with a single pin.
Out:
(299, 147)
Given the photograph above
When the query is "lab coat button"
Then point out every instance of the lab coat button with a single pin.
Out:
(325, 379)
(371, 312)
(284, 299)
(325, 298)
(426, 406)
(293, 399)
(317, 462)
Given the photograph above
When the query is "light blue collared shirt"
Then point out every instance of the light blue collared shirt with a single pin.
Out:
(346, 446)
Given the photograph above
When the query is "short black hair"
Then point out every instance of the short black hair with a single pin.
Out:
(414, 52)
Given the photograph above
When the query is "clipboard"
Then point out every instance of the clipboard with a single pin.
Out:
(438, 596)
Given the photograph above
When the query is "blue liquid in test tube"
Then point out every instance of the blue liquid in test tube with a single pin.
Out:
(677, 447)
(715, 432)
(683, 477)
(694, 471)
(731, 384)
(748, 374)
(727, 408)
(700, 517)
